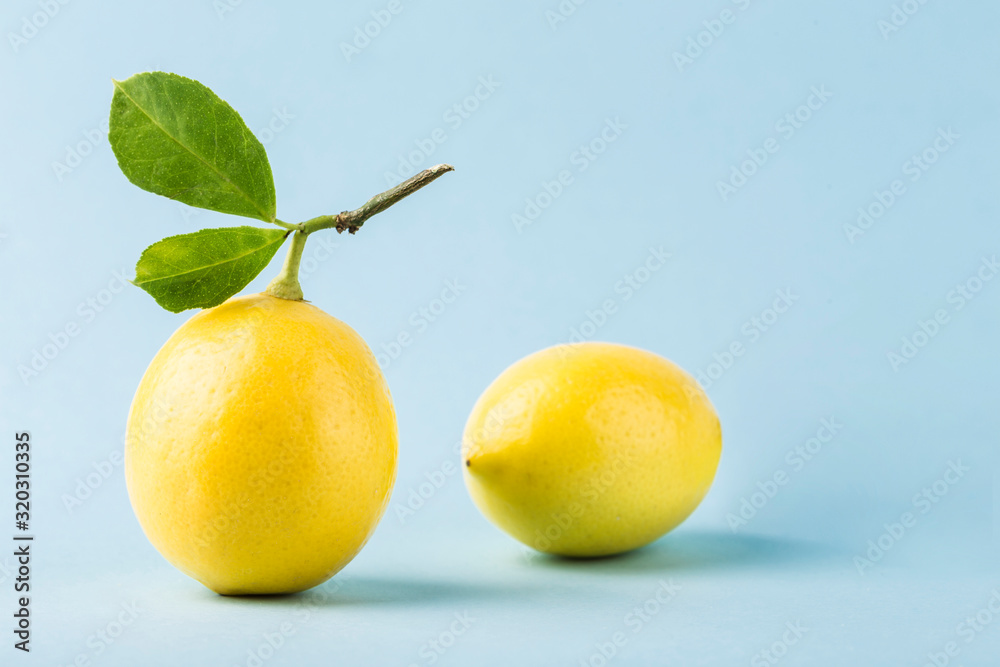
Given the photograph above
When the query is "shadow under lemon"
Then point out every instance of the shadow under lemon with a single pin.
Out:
(694, 550)
(676, 553)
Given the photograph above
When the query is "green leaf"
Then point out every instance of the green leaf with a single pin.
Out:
(203, 269)
(175, 137)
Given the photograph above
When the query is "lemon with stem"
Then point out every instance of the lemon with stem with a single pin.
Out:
(261, 444)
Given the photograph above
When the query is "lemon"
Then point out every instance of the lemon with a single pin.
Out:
(590, 449)
(261, 446)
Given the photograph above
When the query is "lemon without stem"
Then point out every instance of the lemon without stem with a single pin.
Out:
(591, 449)
(261, 446)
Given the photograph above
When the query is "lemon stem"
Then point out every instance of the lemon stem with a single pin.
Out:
(286, 284)
(351, 221)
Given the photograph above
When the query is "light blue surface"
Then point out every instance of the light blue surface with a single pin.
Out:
(337, 128)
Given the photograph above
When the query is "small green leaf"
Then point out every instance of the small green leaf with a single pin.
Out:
(203, 269)
(175, 137)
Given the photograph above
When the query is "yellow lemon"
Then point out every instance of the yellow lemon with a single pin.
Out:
(261, 446)
(591, 449)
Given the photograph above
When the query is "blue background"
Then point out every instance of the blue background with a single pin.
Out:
(339, 124)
